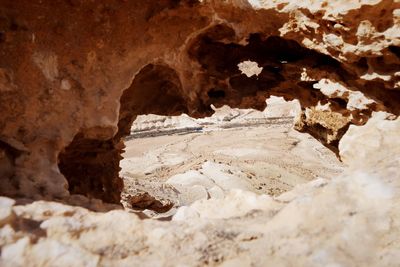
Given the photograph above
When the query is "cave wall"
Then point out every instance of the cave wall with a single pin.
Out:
(74, 74)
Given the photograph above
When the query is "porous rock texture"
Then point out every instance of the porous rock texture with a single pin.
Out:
(74, 74)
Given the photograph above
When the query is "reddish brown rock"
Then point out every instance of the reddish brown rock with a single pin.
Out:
(74, 74)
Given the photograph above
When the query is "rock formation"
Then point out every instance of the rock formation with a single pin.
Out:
(74, 74)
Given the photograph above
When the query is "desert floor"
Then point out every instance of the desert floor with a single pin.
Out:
(164, 172)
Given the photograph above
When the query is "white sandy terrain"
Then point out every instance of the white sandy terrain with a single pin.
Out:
(177, 169)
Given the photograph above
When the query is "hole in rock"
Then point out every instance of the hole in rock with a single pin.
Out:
(91, 168)
(395, 50)
(280, 64)
(215, 93)
(91, 165)
(173, 161)
(8, 155)
(280, 61)
(339, 101)
(180, 160)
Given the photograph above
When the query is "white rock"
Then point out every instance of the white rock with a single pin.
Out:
(6, 212)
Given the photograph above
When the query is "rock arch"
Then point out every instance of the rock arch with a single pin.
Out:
(91, 166)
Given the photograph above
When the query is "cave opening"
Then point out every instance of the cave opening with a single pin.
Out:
(166, 144)
(91, 166)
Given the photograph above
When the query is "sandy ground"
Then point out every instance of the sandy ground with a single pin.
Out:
(163, 173)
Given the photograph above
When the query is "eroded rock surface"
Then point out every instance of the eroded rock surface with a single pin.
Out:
(74, 75)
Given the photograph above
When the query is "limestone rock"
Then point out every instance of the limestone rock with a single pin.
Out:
(6, 213)
(362, 146)
(120, 59)
(75, 74)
